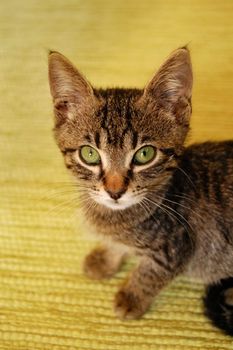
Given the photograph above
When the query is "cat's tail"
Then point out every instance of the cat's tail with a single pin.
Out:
(219, 304)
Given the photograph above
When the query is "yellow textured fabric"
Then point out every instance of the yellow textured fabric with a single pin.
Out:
(45, 301)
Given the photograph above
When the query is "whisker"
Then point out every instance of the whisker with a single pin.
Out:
(67, 204)
(188, 177)
(92, 204)
(71, 185)
(178, 203)
(57, 209)
(48, 195)
(168, 212)
(184, 197)
(143, 205)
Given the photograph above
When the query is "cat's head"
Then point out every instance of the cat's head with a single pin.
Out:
(122, 144)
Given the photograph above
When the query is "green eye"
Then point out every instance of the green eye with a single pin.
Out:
(144, 155)
(89, 155)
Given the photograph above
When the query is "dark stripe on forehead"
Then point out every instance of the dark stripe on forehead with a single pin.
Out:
(87, 138)
(97, 139)
(134, 138)
(129, 126)
(104, 123)
(116, 116)
(145, 139)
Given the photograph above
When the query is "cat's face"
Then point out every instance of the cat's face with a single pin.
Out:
(121, 144)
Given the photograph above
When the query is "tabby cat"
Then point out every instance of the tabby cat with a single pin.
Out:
(142, 190)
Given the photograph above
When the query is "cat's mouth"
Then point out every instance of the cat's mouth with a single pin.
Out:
(125, 201)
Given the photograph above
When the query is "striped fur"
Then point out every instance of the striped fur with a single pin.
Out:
(177, 217)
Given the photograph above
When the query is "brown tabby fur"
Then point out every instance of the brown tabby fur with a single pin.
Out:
(184, 223)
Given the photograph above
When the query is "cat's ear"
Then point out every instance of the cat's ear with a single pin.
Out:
(71, 92)
(171, 87)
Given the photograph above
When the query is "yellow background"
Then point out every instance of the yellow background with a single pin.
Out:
(45, 301)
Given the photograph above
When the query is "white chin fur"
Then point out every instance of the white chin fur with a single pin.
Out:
(125, 201)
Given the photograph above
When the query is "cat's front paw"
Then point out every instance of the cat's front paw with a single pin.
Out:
(128, 305)
(100, 264)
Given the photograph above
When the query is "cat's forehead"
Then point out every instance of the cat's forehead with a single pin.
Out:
(116, 116)
(125, 122)
(117, 122)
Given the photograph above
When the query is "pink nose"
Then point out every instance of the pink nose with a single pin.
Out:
(115, 195)
(114, 185)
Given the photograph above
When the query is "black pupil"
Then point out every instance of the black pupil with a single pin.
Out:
(144, 152)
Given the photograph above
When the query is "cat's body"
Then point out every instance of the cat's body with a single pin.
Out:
(194, 211)
(170, 206)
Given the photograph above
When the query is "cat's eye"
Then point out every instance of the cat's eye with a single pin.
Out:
(89, 155)
(144, 155)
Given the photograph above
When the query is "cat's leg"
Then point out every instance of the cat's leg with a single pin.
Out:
(104, 261)
(135, 297)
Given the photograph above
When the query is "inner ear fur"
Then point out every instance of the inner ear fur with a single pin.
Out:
(70, 90)
(171, 86)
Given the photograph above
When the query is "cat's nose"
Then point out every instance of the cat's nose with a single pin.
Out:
(115, 195)
(114, 185)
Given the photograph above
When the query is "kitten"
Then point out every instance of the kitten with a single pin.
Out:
(145, 193)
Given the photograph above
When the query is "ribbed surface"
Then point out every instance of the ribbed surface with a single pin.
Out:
(45, 301)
